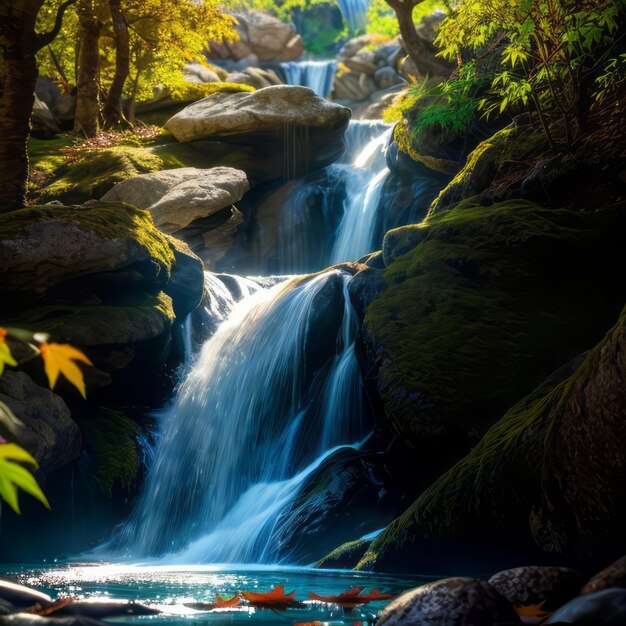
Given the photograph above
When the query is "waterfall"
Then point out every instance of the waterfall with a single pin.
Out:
(332, 217)
(316, 75)
(271, 395)
(355, 13)
(355, 236)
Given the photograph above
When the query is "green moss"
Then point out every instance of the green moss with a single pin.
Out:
(110, 437)
(110, 221)
(346, 556)
(516, 469)
(45, 154)
(94, 325)
(483, 302)
(491, 159)
(93, 173)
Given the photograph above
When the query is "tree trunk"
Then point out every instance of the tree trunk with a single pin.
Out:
(420, 51)
(87, 119)
(113, 112)
(18, 74)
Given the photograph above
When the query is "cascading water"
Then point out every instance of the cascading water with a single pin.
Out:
(363, 187)
(333, 217)
(355, 13)
(247, 426)
(316, 75)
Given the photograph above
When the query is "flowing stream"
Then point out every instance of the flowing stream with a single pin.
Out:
(316, 75)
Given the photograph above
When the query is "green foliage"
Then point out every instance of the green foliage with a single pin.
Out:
(556, 58)
(163, 37)
(452, 105)
(111, 439)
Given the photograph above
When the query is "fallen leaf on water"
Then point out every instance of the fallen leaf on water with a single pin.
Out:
(275, 599)
(221, 603)
(352, 597)
(532, 613)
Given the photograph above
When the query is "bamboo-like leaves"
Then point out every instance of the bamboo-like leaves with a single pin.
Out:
(14, 476)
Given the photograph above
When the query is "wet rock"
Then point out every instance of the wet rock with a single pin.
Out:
(612, 576)
(28, 619)
(177, 197)
(186, 284)
(450, 602)
(536, 591)
(600, 608)
(21, 596)
(47, 431)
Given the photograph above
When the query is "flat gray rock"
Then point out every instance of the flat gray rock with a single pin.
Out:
(177, 197)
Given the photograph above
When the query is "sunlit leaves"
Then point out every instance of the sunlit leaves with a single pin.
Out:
(60, 358)
(6, 357)
(13, 476)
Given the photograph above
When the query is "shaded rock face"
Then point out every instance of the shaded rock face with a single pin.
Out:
(612, 576)
(600, 608)
(450, 602)
(347, 487)
(546, 588)
(289, 129)
(48, 431)
(517, 162)
(98, 277)
(43, 122)
(548, 476)
(263, 36)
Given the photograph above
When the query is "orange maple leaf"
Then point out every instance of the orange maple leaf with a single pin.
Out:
(532, 613)
(59, 358)
(275, 599)
(352, 597)
(220, 603)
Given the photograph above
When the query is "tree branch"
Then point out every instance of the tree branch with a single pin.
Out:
(46, 39)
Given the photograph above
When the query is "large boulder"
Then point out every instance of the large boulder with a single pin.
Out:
(175, 198)
(47, 430)
(549, 476)
(263, 128)
(600, 608)
(266, 111)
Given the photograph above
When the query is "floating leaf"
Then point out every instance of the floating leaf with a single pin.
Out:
(275, 599)
(59, 358)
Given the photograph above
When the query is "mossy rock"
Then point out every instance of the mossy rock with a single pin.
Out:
(551, 474)
(346, 556)
(481, 303)
(491, 160)
(44, 247)
(111, 441)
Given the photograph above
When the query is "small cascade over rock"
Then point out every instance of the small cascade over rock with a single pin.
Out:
(269, 397)
(316, 75)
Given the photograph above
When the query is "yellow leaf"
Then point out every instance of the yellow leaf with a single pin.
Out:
(5, 352)
(59, 359)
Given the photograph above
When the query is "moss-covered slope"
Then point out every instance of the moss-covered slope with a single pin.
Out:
(481, 303)
(550, 473)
